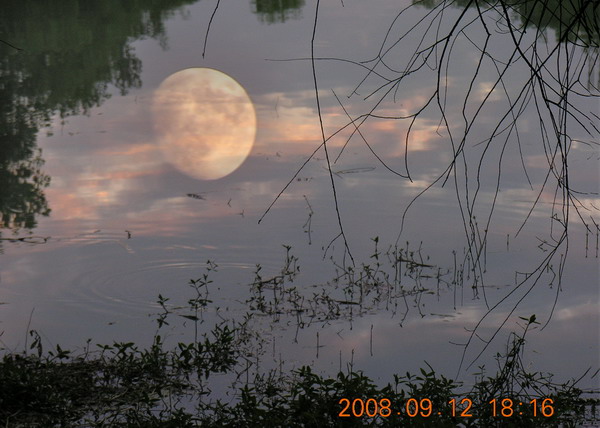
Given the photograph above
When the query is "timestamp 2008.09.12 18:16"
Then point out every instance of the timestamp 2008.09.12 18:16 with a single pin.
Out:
(383, 407)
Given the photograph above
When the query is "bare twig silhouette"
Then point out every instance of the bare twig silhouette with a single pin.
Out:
(543, 78)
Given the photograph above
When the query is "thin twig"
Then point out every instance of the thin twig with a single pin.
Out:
(208, 27)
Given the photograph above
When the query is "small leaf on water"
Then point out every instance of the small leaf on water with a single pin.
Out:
(190, 317)
(195, 196)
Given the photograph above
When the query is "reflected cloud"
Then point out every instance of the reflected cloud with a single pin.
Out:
(487, 90)
(293, 120)
(581, 312)
(137, 150)
(287, 119)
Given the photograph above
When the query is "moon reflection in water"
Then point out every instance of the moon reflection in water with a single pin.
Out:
(205, 122)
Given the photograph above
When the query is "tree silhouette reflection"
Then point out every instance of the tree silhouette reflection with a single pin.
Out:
(272, 11)
(59, 57)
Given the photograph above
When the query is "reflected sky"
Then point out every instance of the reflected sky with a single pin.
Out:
(127, 224)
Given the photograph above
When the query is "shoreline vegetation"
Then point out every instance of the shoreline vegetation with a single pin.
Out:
(122, 385)
(173, 384)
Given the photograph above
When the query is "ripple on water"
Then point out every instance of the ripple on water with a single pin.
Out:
(104, 273)
(134, 289)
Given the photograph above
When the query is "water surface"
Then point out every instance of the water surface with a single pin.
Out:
(111, 221)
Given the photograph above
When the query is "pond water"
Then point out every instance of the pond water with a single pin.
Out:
(129, 217)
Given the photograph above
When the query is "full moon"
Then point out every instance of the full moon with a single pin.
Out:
(205, 122)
